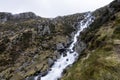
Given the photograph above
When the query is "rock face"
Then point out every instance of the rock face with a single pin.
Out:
(42, 30)
(29, 44)
(4, 16)
(27, 15)
(8, 16)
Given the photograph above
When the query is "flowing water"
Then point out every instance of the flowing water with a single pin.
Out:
(64, 61)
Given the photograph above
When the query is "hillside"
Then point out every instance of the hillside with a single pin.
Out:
(101, 59)
(30, 44)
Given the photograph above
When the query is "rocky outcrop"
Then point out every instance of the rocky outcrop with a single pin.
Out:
(80, 46)
(42, 30)
(4, 16)
(8, 16)
(27, 15)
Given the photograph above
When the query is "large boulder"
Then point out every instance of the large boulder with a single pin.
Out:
(50, 62)
(60, 46)
(80, 46)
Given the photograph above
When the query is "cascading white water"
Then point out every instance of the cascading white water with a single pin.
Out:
(64, 61)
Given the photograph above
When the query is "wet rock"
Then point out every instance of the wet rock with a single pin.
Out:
(67, 59)
(30, 78)
(64, 54)
(50, 62)
(44, 73)
(62, 50)
(39, 78)
(71, 51)
(64, 72)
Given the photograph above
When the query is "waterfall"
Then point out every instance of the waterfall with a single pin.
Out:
(64, 61)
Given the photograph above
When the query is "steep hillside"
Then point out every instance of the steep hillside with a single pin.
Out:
(30, 44)
(101, 59)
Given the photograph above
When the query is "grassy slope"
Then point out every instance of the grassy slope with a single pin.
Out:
(101, 59)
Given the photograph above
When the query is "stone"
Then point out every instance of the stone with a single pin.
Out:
(50, 62)
(30, 78)
(42, 30)
(59, 46)
(64, 54)
(39, 29)
(57, 54)
(46, 30)
(39, 78)
(72, 35)
(45, 45)
(80, 47)
(44, 73)
(26, 15)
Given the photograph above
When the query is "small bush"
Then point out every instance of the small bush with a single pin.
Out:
(117, 30)
(67, 29)
(116, 33)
